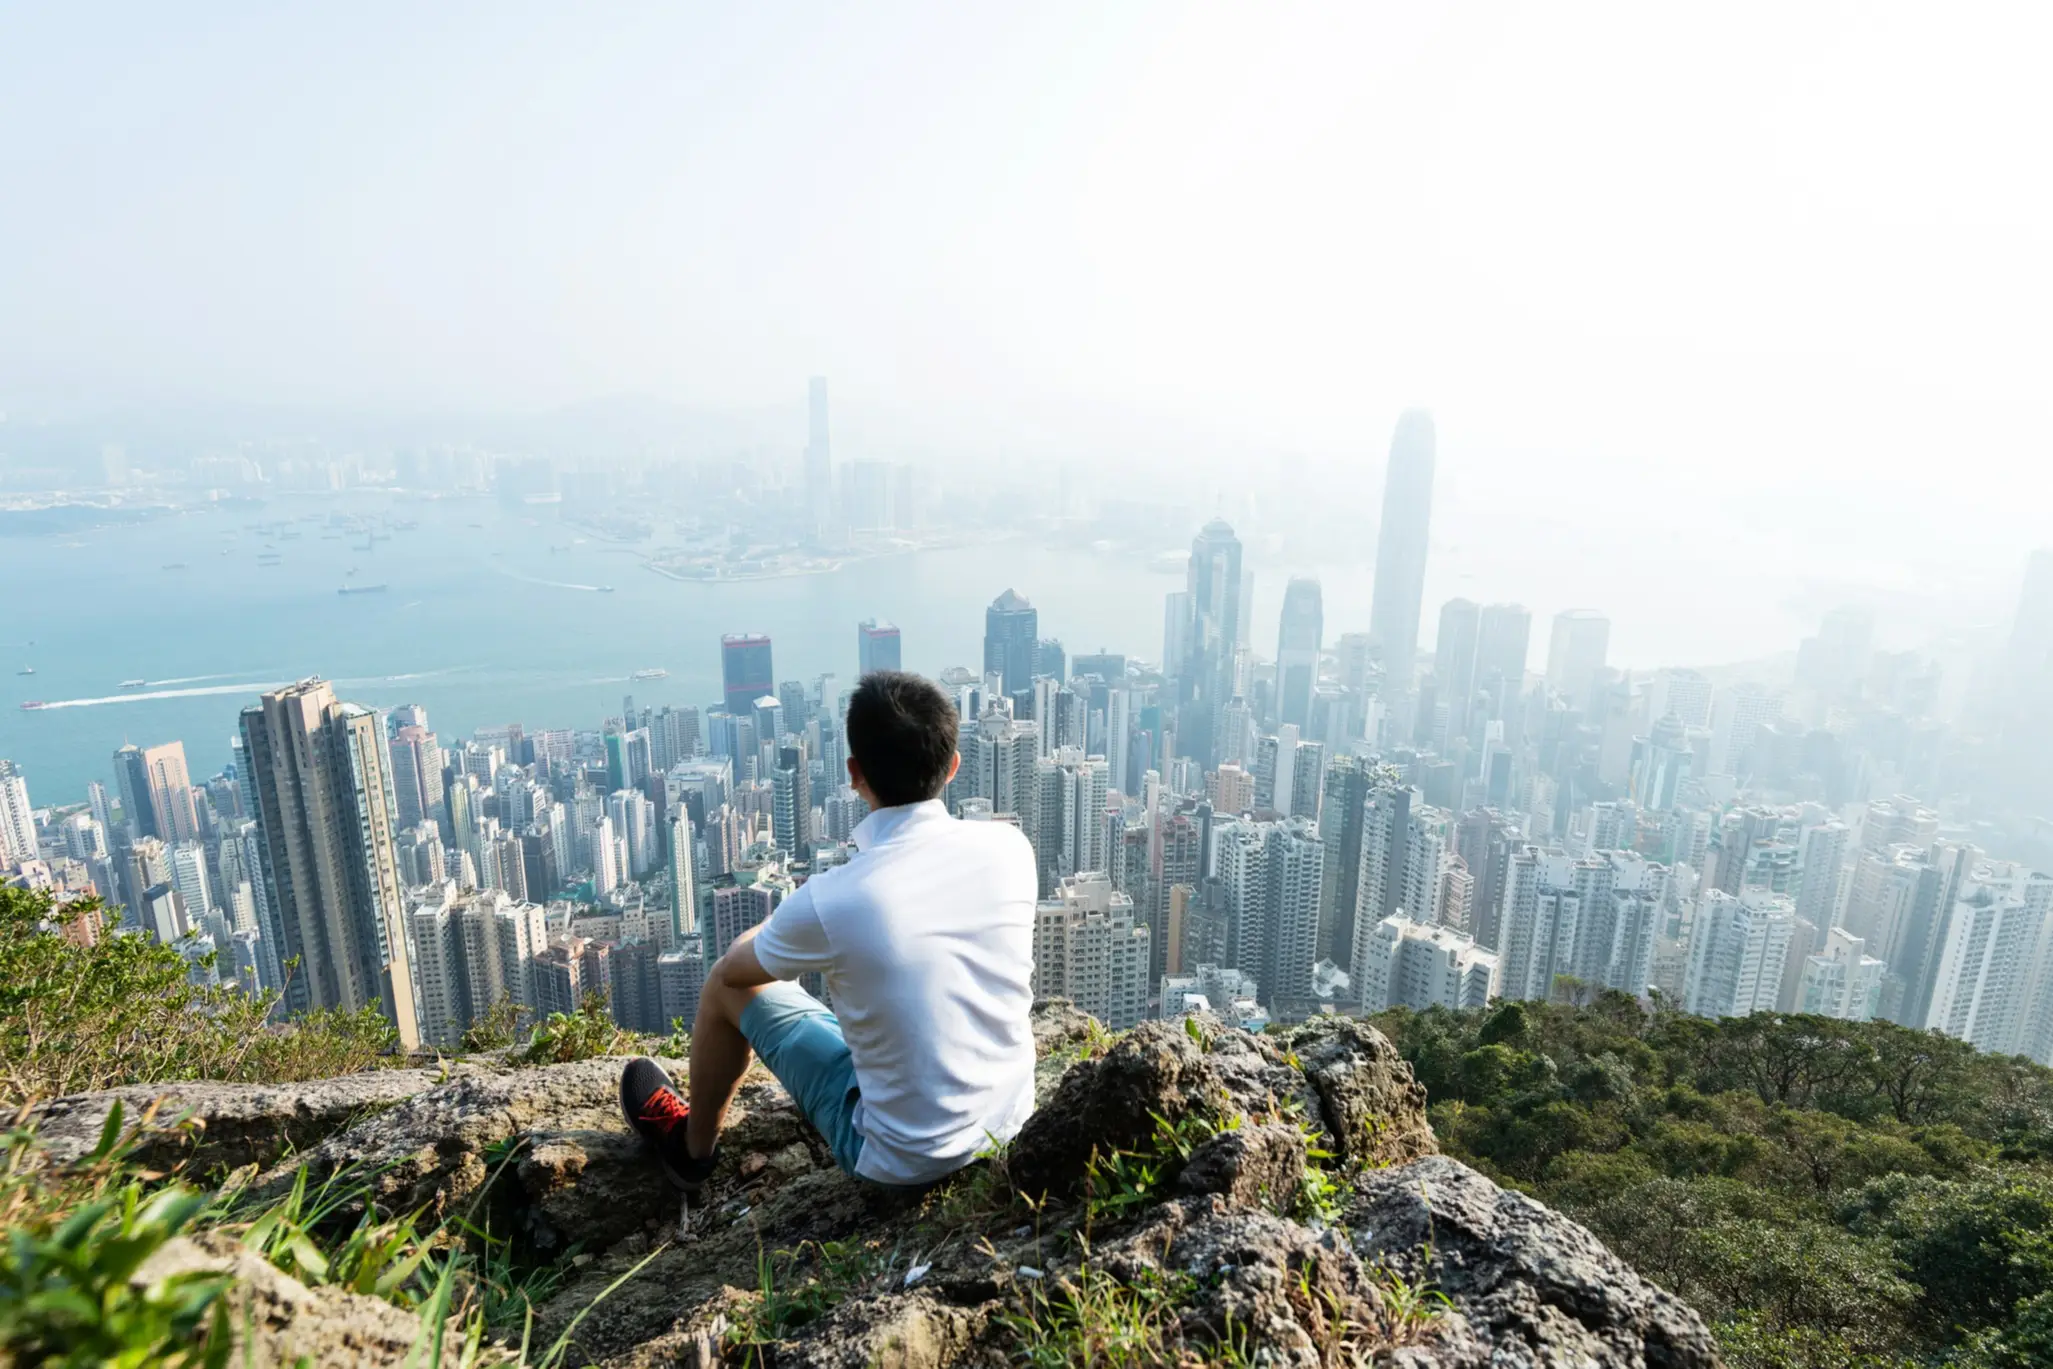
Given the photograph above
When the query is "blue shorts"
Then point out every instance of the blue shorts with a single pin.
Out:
(800, 1042)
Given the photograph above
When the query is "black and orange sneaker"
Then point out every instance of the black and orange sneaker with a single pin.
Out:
(653, 1107)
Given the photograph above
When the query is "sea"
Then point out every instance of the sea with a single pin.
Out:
(493, 615)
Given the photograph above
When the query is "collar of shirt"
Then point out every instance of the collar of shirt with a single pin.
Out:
(881, 825)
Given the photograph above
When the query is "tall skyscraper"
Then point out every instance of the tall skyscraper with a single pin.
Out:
(745, 670)
(1400, 587)
(416, 774)
(791, 807)
(323, 805)
(1454, 660)
(17, 821)
(156, 791)
(1012, 633)
(1503, 639)
(1575, 653)
(819, 460)
(1297, 652)
(876, 646)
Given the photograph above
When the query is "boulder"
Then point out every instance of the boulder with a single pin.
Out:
(1530, 1287)
(1373, 1108)
(208, 1127)
(1259, 1165)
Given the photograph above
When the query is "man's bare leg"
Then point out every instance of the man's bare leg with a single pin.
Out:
(719, 1057)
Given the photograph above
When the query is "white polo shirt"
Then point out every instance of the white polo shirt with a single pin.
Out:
(926, 940)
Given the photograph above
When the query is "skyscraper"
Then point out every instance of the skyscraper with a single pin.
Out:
(791, 808)
(1400, 587)
(1297, 652)
(1575, 653)
(17, 822)
(323, 805)
(416, 774)
(1503, 639)
(1454, 660)
(1012, 632)
(876, 646)
(745, 669)
(819, 462)
(156, 791)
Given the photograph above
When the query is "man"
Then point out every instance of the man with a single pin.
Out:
(925, 939)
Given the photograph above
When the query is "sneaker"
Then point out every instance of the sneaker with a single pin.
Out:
(656, 1112)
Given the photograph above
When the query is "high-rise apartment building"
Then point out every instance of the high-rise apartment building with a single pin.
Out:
(17, 819)
(322, 799)
(475, 949)
(791, 803)
(1012, 632)
(1298, 640)
(1842, 980)
(746, 671)
(416, 774)
(876, 646)
(1401, 541)
(1989, 987)
(1411, 964)
(1738, 950)
(1089, 949)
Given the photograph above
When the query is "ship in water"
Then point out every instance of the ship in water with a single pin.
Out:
(133, 684)
(35, 703)
(361, 589)
(605, 589)
(653, 673)
(26, 670)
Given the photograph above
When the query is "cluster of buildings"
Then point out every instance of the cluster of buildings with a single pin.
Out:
(1342, 825)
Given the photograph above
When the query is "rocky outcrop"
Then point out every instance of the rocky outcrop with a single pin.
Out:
(1276, 1194)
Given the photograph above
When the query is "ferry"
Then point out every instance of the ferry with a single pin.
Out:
(26, 670)
(361, 589)
(655, 673)
(133, 684)
(605, 589)
(35, 703)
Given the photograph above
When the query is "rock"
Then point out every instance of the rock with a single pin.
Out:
(1531, 1286)
(1372, 1105)
(885, 1331)
(232, 1124)
(1165, 1071)
(1259, 1165)
(1059, 1025)
(280, 1321)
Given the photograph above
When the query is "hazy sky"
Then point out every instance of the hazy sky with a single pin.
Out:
(1790, 258)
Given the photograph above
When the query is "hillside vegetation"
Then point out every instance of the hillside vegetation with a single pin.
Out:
(1831, 1195)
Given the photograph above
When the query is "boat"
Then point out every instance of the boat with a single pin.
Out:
(654, 673)
(174, 565)
(26, 670)
(361, 589)
(35, 703)
(605, 589)
(133, 684)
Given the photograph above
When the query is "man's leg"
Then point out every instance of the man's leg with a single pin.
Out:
(719, 1057)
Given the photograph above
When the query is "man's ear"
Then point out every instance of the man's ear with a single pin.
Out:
(855, 774)
(954, 764)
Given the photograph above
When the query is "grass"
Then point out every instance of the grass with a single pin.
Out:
(586, 1034)
(1091, 1318)
(797, 1287)
(74, 1235)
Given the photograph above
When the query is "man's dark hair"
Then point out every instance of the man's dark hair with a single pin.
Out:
(901, 732)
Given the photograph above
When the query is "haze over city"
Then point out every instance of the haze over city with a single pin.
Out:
(1492, 561)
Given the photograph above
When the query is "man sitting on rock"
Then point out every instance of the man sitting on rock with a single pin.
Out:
(925, 941)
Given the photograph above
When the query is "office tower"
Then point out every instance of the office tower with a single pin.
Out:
(629, 758)
(791, 813)
(1204, 676)
(156, 791)
(1454, 661)
(796, 705)
(1842, 980)
(634, 823)
(1503, 640)
(1073, 792)
(1685, 693)
(1307, 779)
(17, 819)
(819, 460)
(1176, 619)
(1576, 652)
(1661, 765)
(1049, 658)
(132, 781)
(876, 646)
(1736, 718)
(1276, 770)
(1348, 782)
(1298, 641)
(673, 736)
(1738, 948)
(1011, 635)
(189, 877)
(745, 671)
(416, 774)
(321, 797)
(1419, 965)
(1401, 540)
(1234, 743)
(1089, 949)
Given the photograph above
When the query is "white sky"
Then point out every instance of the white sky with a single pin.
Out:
(1784, 261)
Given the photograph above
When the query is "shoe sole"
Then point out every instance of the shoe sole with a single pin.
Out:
(627, 1111)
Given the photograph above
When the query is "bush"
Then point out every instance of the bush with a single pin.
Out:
(125, 1011)
(582, 1035)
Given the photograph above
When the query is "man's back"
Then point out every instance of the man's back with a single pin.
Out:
(925, 939)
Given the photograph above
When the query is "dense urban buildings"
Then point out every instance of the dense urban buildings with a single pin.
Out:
(1362, 820)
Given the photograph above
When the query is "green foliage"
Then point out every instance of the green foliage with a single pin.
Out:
(1852, 1195)
(586, 1034)
(1093, 1318)
(798, 1287)
(1119, 1181)
(496, 1028)
(124, 1010)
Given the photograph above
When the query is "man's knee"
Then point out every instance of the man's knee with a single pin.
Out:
(729, 1001)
